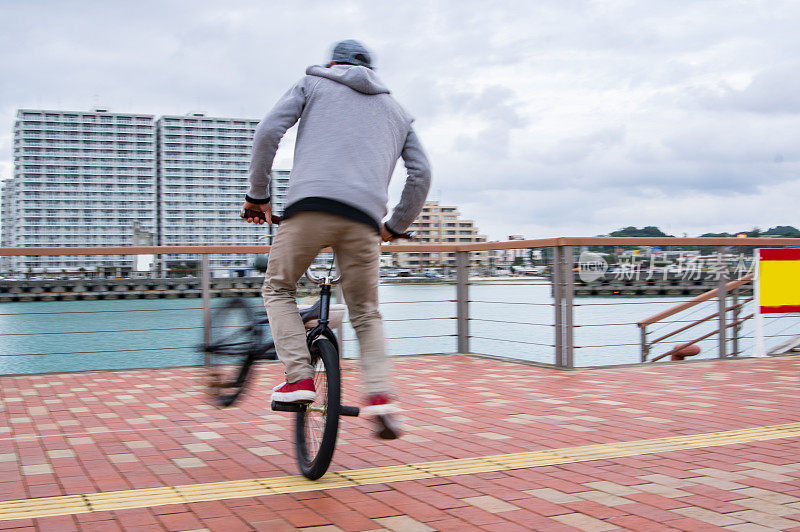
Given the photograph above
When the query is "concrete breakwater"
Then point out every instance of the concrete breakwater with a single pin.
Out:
(658, 285)
(93, 289)
(189, 287)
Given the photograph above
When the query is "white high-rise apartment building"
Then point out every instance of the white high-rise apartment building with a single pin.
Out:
(84, 178)
(6, 198)
(202, 181)
(80, 179)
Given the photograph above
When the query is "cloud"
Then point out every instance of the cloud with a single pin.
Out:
(774, 90)
(549, 117)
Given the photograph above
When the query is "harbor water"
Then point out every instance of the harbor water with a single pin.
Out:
(508, 317)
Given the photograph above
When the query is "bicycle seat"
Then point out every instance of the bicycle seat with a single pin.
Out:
(312, 312)
(307, 314)
(310, 315)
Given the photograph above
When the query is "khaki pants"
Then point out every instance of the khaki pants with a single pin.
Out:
(357, 246)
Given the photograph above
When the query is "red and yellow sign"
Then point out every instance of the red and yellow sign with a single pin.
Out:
(779, 280)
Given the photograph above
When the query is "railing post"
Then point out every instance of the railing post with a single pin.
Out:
(557, 297)
(462, 301)
(205, 287)
(569, 294)
(722, 300)
(644, 346)
(737, 326)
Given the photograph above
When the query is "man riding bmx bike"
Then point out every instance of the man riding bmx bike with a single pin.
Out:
(350, 136)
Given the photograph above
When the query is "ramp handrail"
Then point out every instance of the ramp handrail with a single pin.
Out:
(722, 292)
(705, 296)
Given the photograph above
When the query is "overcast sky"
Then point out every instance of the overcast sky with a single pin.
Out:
(541, 118)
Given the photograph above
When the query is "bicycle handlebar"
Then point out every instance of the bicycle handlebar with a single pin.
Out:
(319, 279)
(258, 216)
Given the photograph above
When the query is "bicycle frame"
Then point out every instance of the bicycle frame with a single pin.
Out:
(322, 328)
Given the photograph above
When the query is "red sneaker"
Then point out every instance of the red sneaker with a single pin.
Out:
(295, 392)
(387, 425)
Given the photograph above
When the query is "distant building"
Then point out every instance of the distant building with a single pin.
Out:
(508, 257)
(442, 224)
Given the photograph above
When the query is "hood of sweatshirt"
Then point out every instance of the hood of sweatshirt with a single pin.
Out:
(358, 78)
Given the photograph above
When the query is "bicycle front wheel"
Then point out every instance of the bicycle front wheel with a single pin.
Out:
(316, 427)
(231, 352)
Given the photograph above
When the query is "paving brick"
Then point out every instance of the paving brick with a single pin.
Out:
(648, 512)
(708, 516)
(135, 517)
(635, 522)
(764, 506)
(713, 493)
(687, 523)
(63, 523)
(765, 519)
(228, 524)
(273, 525)
(490, 504)
(771, 496)
(751, 527)
(474, 516)
(612, 488)
(403, 524)
(107, 526)
(179, 521)
(603, 498)
(551, 495)
(350, 520)
(373, 509)
(657, 501)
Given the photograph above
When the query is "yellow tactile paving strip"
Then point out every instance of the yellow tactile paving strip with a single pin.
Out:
(139, 498)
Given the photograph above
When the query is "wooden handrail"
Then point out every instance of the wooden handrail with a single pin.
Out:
(698, 322)
(667, 241)
(414, 248)
(705, 296)
(193, 250)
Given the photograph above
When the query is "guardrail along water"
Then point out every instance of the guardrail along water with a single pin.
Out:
(551, 315)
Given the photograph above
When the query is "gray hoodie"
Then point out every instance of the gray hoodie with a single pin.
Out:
(350, 136)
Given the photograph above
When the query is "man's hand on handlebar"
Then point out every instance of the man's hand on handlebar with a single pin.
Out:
(388, 236)
(256, 213)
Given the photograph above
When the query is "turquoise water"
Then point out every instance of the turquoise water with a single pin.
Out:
(115, 334)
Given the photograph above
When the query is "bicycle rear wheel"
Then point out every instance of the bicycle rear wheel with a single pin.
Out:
(317, 426)
(232, 350)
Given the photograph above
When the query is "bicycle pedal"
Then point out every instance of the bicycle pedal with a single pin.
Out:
(352, 411)
(279, 406)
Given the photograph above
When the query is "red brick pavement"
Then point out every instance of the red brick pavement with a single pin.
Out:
(87, 432)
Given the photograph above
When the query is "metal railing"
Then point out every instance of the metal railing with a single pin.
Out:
(559, 328)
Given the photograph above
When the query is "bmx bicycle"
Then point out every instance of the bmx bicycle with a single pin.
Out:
(240, 338)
